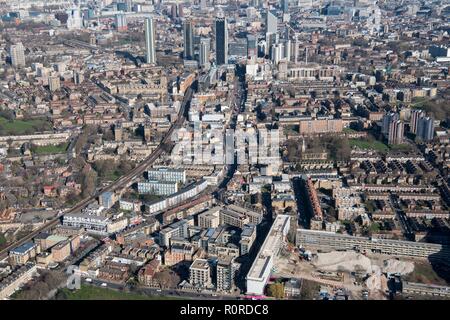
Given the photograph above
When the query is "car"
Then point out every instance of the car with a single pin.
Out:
(104, 284)
(88, 280)
(158, 290)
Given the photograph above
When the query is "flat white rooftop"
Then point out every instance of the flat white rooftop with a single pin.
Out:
(269, 248)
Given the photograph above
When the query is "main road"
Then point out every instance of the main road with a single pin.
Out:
(124, 181)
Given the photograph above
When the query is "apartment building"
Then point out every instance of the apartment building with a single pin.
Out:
(91, 223)
(248, 236)
(200, 273)
(159, 188)
(13, 281)
(167, 175)
(209, 218)
(22, 254)
(61, 251)
(233, 218)
(317, 126)
(335, 241)
(225, 274)
(260, 270)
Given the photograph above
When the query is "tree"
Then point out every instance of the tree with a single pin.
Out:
(104, 167)
(83, 138)
(167, 279)
(89, 182)
(2, 239)
(275, 290)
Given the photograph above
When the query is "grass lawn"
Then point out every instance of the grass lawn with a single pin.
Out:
(19, 127)
(112, 176)
(418, 102)
(365, 144)
(424, 273)
(349, 130)
(88, 292)
(401, 147)
(51, 149)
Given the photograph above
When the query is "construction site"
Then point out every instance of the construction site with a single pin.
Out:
(360, 275)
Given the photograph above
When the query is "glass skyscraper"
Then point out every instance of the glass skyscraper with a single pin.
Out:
(188, 40)
(221, 41)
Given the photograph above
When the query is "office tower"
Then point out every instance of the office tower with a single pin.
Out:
(17, 53)
(252, 47)
(225, 274)
(271, 23)
(425, 128)
(173, 11)
(74, 20)
(416, 114)
(180, 10)
(277, 53)
(78, 77)
(129, 6)
(285, 6)
(238, 48)
(203, 4)
(287, 50)
(150, 45)
(221, 41)
(121, 6)
(205, 45)
(256, 3)
(54, 83)
(121, 22)
(296, 50)
(271, 39)
(286, 33)
(188, 40)
(396, 132)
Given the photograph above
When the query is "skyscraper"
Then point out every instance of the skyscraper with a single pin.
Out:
(150, 45)
(396, 132)
(54, 83)
(425, 128)
(296, 49)
(205, 45)
(271, 40)
(121, 22)
(416, 114)
(17, 53)
(221, 41)
(277, 53)
(271, 23)
(287, 50)
(188, 40)
(285, 6)
(129, 4)
(74, 20)
(252, 47)
(388, 119)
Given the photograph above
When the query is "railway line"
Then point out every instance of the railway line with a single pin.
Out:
(124, 181)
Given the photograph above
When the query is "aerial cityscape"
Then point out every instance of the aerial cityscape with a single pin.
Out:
(224, 150)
